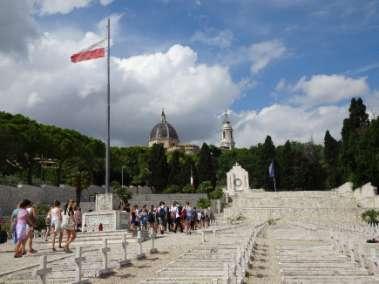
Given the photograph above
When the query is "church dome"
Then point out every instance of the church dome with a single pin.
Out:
(163, 132)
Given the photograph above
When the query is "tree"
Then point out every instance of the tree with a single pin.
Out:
(205, 187)
(266, 154)
(205, 166)
(122, 192)
(175, 169)
(353, 128)
(158, 168)
(285, 158)
(203, 203)
(331, 155)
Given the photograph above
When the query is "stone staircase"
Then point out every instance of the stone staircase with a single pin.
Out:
(214, 261)
(301, 206)
(304, 257)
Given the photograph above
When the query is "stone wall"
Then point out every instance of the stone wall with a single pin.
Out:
(10, 196)
(366, 196)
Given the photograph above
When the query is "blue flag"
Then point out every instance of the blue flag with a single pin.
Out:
(271, 170)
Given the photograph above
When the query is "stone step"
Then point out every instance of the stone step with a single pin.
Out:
(316, 273)
(189, 273)
(330, 280)
(182, 280)
(318, 265)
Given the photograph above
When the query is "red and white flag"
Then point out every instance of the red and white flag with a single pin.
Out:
(96, 50)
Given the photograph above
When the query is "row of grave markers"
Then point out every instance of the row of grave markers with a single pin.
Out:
(43, 271)
(235, 273)
(348, 240)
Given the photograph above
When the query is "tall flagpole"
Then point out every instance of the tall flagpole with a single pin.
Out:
(107, 150)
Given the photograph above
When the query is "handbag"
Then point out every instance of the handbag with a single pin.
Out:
(65, 218)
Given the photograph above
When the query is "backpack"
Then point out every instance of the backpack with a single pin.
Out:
(150, 217)
(162, 212)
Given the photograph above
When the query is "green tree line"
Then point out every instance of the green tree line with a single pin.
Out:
(34, 153)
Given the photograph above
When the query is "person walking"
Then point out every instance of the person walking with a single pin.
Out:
(22, 222)
(56, 223)
(161, 217)
(152, 219)
(33, 217)
(188, 218)
(78, 218)
(13, 222)
(48, 224)
(69, 225)
(134, 220)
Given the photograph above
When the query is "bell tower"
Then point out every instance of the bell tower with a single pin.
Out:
(226, 139)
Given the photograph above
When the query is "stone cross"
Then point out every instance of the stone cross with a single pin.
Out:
(104, 251)
(43, 270)
(125, 261)
(140, 254)
(202, 237)
(227, 273)
(153, 248)
(78, 261)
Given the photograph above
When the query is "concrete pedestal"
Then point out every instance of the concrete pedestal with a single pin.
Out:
(111, 220)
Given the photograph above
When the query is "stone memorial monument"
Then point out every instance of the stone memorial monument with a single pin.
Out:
(237, 181)
(110, 219)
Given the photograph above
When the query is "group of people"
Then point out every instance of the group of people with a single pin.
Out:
(169, 218)
(58, 221)
(68, 220)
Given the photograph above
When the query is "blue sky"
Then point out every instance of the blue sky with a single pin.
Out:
(277, 60)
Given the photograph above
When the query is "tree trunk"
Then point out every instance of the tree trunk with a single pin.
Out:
(59, 174)
(30, 174)
(78, 189)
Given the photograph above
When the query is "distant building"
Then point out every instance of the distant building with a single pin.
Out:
(164, 133)
(226, 137)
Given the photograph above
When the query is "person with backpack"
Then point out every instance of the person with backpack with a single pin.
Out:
(162, 217)
(151, 219)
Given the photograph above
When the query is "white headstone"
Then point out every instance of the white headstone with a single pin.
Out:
(237, 180)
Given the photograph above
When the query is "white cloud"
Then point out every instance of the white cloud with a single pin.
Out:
(263, 53)
(284, 122)
(50, 7)
(105, 2)
(222, 39)
(51, 89)
(17, 26)
(325, 89)
(115, 25)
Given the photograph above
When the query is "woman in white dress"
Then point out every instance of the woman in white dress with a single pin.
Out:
(56, 222)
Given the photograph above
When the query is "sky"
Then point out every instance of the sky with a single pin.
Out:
(284, 68)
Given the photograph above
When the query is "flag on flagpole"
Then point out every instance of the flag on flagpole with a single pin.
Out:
(94, 51)
(271, 170)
